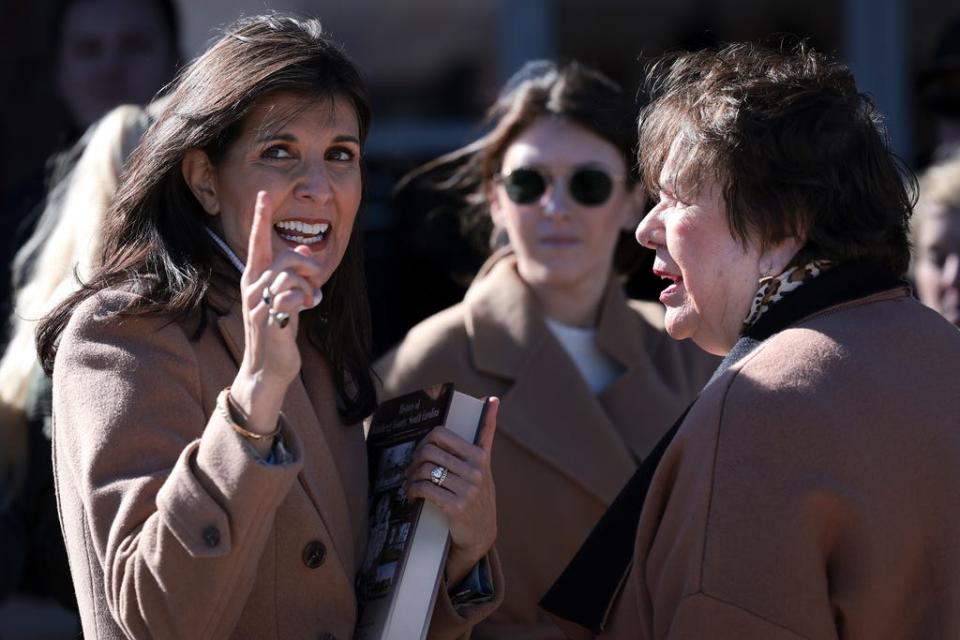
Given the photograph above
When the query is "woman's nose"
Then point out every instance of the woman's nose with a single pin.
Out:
(650, 230)
(313, 183)
(556, 201)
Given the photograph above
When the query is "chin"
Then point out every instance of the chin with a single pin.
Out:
(678, 323)
(543, 274)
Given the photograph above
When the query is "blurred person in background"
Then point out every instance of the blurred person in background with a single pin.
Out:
(55, 261)
(811, 490)
(589, 380)
(935, 232)
(210, 380)
(106, 53)
(111, 52)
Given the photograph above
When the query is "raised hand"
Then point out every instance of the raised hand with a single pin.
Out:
(277, 284)
(466, 495)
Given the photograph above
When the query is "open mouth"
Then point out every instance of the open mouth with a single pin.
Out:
(301, 232)
(672, 277)
(672, 293)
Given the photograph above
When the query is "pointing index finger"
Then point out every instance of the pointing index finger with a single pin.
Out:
(260, 250)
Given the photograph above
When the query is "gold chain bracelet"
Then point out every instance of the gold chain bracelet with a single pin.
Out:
(227, 407)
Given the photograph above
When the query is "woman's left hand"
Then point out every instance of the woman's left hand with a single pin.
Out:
(466, 496)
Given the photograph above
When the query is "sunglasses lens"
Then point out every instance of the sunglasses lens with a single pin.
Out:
(524, 186)
(591, 187)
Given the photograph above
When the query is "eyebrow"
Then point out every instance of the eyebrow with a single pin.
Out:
(267, 136)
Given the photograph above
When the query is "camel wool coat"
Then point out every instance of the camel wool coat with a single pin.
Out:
(812, 490)
(561, 453)
(174, 527)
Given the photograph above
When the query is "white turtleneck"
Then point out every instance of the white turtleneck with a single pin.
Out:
(597, 368)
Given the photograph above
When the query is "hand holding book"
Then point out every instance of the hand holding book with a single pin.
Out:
(432, 510)
(465, 495)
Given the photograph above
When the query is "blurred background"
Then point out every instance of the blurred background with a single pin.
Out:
(432, 67)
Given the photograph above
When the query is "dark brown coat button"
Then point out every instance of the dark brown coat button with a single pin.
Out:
(211, 536)
(314, 554)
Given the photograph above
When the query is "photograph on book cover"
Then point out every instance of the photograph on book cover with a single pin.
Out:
(391, 520)
(393, 466)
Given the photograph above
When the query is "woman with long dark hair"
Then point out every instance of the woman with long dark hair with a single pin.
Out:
(210, 378)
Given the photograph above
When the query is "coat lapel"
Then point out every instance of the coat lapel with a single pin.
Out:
(319, 477)
(653, 389)
(549, 410)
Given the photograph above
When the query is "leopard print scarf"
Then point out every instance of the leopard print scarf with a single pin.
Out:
(773, 288)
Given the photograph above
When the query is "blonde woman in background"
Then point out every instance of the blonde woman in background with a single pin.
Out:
(59, 256)
(935, 230)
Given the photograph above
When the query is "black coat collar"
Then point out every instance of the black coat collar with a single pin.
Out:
(586, 589)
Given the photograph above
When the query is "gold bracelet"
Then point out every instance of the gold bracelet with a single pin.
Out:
(227, 407)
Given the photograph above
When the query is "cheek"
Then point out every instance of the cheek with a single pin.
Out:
(236, 227)
(348, 205)
(928, 280)
(520, 225)
(348, 189)
(683, 242)
(604, 223)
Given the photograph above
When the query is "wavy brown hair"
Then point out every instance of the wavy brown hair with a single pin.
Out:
(155, 238)
(796, 148)
(574, 91)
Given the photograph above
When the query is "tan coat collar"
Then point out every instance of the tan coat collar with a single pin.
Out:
(549, 409)
(503, 320)
(319, 478)
(502, 315)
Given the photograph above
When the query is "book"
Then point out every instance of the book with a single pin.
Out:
(408, 542)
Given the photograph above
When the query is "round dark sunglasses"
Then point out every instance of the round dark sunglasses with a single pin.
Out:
(589, 186)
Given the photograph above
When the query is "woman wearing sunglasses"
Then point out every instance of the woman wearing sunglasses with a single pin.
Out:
(589, 381)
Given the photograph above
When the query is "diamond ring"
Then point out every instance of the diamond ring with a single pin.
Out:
(438, 476)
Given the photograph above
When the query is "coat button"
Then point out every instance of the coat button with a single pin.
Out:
(211, 536)
(314, 554)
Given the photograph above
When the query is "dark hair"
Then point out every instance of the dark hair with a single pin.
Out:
(574, 91)
(167, 9)
(155, 232)
(797, 150)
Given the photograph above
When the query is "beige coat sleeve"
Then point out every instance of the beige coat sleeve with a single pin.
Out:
(173, 506)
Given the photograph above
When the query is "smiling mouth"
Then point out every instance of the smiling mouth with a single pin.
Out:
(302, 232)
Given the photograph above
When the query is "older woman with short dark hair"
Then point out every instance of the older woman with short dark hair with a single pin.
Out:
(811, 490)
